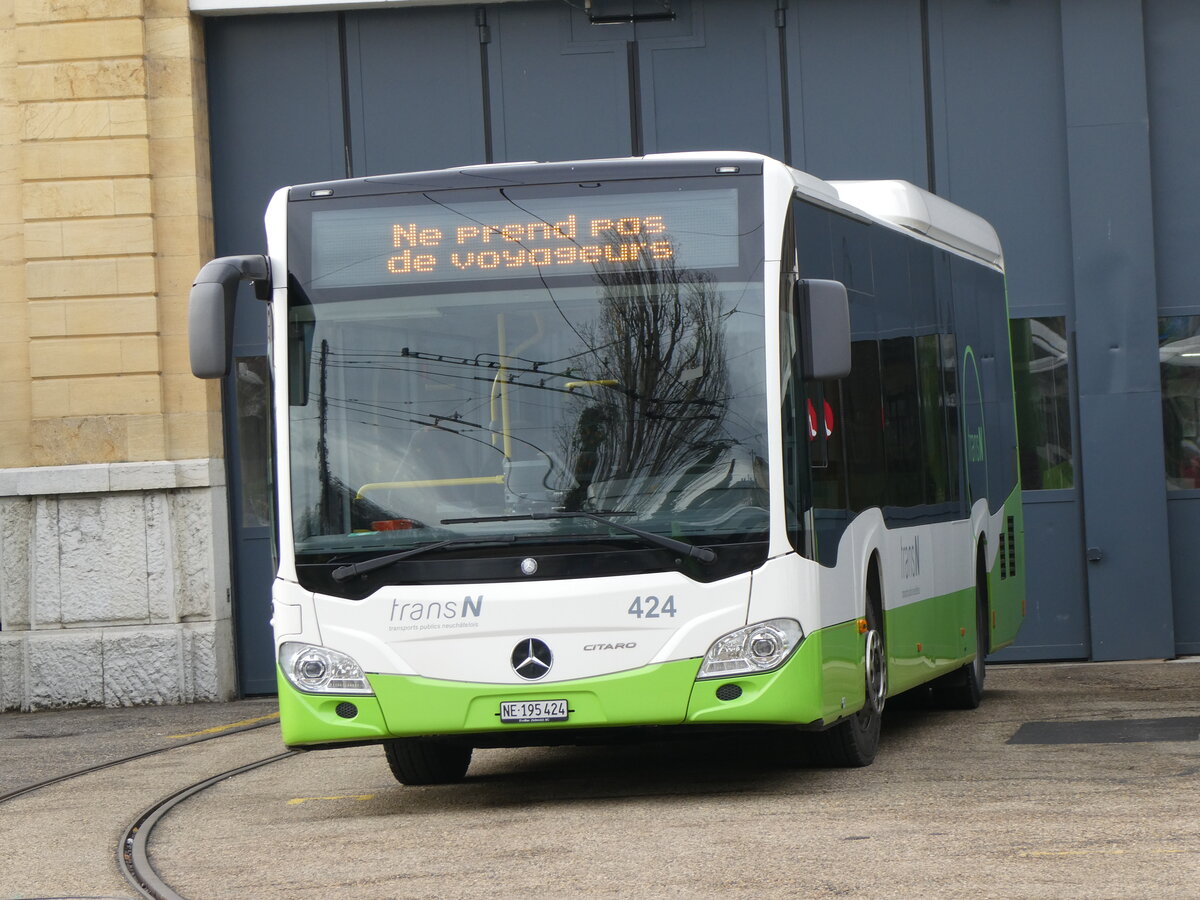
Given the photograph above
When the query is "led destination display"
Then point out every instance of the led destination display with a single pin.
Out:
(433, 241)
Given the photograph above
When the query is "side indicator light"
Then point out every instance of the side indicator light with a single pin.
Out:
(862, 626)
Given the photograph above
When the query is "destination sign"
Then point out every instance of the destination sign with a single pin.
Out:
(444, 241)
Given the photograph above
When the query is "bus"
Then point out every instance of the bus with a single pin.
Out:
(585, 451)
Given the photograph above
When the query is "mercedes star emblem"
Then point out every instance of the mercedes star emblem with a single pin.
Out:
(532, 659)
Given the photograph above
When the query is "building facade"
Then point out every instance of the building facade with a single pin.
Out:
(140, 137)
(114, 575)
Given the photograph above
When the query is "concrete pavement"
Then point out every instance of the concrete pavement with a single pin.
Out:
(1070, 781)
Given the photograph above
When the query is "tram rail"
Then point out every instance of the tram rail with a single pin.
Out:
(133, 857)
(133, 757)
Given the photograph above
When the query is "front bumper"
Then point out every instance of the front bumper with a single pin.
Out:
(806, 690)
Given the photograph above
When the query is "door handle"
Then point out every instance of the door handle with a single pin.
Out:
(1094, 554)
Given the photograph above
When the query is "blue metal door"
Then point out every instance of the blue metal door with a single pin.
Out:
(1172, 29)
(263, 136)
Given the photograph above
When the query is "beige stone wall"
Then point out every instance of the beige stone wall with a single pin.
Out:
(114, 567)
(14, 313)
(105, 199)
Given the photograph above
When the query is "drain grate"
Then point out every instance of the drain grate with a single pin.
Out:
(1110, 731)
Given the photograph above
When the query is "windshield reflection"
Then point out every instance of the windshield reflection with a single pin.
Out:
(641, 392)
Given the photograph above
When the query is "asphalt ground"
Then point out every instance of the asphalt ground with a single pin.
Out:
(35, 747)
(1070, 781)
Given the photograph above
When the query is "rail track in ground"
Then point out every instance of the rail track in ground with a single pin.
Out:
(132, 857)
(262, 722)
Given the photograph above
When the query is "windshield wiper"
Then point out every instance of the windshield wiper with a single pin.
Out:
(701, 553)
(345, 573)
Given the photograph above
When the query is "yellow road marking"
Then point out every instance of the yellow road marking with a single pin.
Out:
(216, 728)
(296, 801)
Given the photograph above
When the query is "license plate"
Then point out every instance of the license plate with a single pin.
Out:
(522, 711)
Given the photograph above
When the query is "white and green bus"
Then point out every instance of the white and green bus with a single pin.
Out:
(579, 451)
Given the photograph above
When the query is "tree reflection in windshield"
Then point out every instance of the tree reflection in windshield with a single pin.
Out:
(655, 388)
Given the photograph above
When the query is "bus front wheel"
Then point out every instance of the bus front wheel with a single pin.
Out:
(426, 760)
(854, 741)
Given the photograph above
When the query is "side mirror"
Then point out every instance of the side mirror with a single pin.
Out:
(823, 311)
(210, 310)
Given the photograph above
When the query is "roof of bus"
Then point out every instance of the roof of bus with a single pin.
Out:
(895, 202)
(908, 206)
(899, 203)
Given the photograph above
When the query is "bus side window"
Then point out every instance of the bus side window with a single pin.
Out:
(948, 345)
(901, 422)
(866, 469)
(796, 447)
(936, 462)
(852, 255)
(829, 475)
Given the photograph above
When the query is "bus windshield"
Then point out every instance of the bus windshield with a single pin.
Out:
(467, 365)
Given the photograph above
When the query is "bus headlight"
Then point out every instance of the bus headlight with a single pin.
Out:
(753, 649)
(319, 670)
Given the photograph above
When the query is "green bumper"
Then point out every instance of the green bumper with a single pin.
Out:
(804, 690)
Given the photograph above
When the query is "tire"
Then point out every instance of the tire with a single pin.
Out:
(427, 761)
(963, 688)
(854, 741)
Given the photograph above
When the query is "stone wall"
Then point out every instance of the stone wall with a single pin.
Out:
(108, 173)
(114, 589)
(114, 571)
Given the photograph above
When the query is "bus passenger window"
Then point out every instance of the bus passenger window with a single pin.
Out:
(949, 363)
(861, 396)
(937, 461)
(901, 422)
(852, 255)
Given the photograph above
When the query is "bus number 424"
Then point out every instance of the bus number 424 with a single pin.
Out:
(652, 608)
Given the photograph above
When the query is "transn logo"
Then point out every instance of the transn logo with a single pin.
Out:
(435, 610)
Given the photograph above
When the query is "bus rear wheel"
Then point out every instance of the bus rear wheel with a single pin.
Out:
(427, 761)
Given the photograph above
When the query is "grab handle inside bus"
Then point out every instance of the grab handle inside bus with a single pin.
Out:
(823, 311)
(210, 310)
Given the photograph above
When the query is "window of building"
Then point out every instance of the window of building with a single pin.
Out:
(1179, 365)
(1041, 366)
